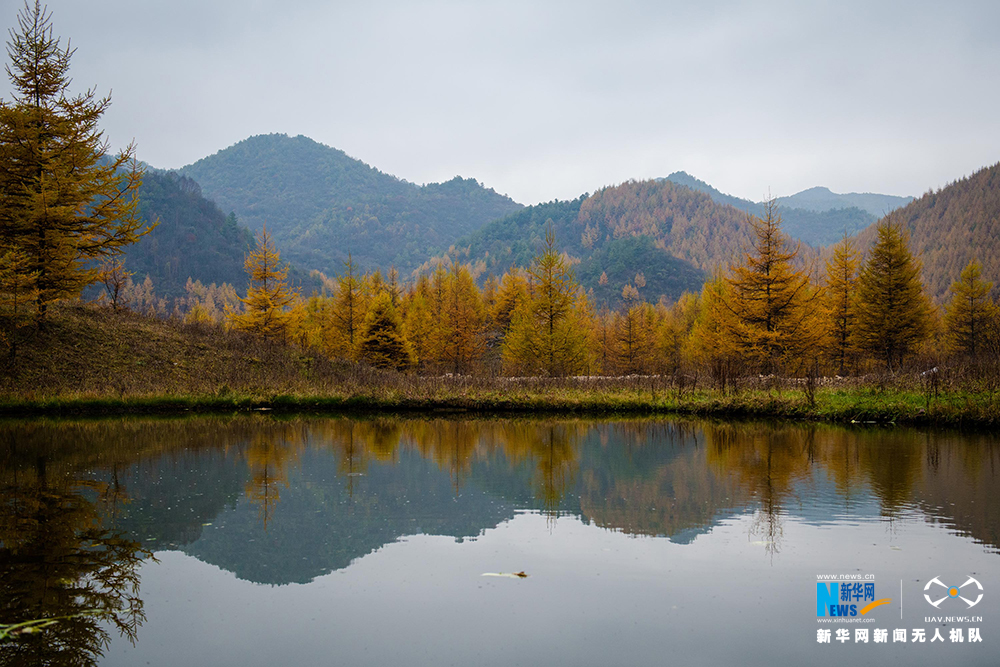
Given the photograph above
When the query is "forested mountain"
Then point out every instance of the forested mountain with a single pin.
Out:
(671, 234)
(953, 226)
(194, 239)
(815, 216)
(320, 204)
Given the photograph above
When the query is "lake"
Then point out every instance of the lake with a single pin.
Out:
(258, 540)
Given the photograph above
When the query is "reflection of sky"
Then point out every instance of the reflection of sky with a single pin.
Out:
(593, 597)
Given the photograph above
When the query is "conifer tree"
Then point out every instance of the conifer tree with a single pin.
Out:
(463, 341)
(893, 312)
(969, 311)
(268, 295)
(63, 202)
(546, 335)
(772, 301)
(841, 302)
(347, 315)
(382, 343)
(417, 322)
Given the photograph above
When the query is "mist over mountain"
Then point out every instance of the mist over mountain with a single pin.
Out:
(320, 204)
(815, 216)
(822, 199)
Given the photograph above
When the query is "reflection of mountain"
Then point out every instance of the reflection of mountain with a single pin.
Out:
(279, 501)
(319, 526)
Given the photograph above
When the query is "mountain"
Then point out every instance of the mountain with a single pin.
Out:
(672, 234)
(821, 199)
(953, 226)
(193, 239)
(804, 216)
(320, 204)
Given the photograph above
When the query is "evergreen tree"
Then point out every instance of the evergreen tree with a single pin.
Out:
(63, 202)
(841, 301)
(268, 295)
(383, 344)
(893, 312)
(969, 311)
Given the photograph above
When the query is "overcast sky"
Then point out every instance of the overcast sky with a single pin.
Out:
(544, 100)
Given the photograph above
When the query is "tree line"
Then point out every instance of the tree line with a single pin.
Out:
(763, 315)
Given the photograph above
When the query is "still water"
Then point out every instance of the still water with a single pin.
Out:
(312, 541)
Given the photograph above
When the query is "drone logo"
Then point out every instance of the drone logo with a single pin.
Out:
(953, 592)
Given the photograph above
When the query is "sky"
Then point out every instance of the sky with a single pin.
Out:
(548, 100)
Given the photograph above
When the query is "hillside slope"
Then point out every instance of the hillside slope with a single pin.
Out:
(672, 234)
(193, 239)
(320, 204)
(813, 223)
(953, 226)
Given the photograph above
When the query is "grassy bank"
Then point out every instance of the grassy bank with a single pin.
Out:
(91, 361)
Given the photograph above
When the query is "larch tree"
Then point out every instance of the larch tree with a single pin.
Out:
(770, 298)
(382, 342)
(841, 302)
(268, 295)
(545, 335)
(894, 314)
(64, 202)
(465, 316)
(969, 312)
(347, 314)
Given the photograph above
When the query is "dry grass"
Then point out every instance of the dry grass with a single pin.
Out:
(88, 359)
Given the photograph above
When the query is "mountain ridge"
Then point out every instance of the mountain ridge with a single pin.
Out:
(321, 204)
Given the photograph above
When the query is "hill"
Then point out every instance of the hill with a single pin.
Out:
(193, 239)
(952, 226)
(672, 234)
(822, 199)
(815, 226)
(320, 204)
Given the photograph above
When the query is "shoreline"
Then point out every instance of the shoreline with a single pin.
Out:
(840, 406)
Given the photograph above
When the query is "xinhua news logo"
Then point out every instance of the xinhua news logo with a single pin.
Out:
(971, 586)
(846, 598)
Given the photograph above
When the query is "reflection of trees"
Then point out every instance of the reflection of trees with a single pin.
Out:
(767, 460)
(554, 449)
(269, 453)
(651, 478)
(58, 560)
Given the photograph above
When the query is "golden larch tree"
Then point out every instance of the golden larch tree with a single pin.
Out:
(969, 312)
(546, 335)
(894, 314)
(382, 343)
(268, 295)
(772, 300)
(841, 302)
(64, 203)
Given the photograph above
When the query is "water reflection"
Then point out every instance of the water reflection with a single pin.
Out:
(278, 501)
(61, 556)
